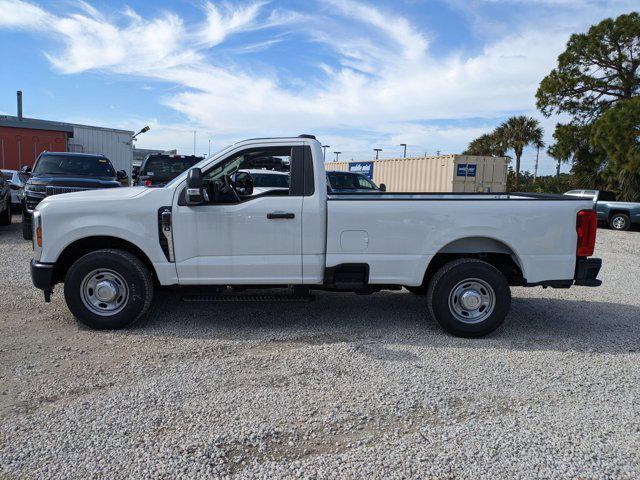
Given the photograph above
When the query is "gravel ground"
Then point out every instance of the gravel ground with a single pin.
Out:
(349, 386)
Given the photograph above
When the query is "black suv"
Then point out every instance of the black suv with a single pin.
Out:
(64, 172)
(158, 169)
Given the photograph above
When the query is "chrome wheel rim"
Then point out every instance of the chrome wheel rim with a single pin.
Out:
(472, 301)
(104, 292)
(619, 223)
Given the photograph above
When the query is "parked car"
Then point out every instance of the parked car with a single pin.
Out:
(63, 172)
(617, 215)
(5, 201)
(464, 249)
(16, 183)
(159, 168)
(338, 181)
(267, 180)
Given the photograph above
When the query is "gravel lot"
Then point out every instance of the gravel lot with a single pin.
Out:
(348, 386)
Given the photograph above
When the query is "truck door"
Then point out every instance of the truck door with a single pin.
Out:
(256, 240)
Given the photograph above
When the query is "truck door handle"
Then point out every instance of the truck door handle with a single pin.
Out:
(275, 215)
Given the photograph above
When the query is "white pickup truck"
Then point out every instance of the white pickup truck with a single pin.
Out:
(111, 248)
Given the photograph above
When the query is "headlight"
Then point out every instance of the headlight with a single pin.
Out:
(35, 188)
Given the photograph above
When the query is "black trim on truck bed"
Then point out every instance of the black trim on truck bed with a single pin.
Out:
(450, 196)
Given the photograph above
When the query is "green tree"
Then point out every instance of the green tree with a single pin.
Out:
(488, 144)
(596, 70)
(572, 143)
(617, 133)
(516, 134)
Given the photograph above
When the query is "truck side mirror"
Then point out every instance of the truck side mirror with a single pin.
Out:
(26, 170)
(383, 187)
(196, 194)
(121, 175)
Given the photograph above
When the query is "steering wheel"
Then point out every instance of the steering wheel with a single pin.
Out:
(229, 189)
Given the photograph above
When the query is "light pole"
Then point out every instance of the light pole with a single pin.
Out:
(337, 155)
(404, 155)
(194, 142)
(377, 150)
(144, 130)
(324, 151)
(209, 147)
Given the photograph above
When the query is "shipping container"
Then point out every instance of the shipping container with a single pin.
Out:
(444, 173)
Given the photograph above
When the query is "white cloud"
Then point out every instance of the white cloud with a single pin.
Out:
(383, 79)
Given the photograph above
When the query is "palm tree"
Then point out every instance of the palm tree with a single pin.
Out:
(518, 133)
(560, 154)
(489, 145)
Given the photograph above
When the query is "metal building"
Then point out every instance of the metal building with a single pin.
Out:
(444, 173)
(23, 139)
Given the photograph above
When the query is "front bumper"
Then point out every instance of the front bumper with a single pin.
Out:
(587, 270)
(42, 278)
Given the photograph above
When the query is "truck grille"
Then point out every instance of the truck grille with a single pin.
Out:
(59, 190)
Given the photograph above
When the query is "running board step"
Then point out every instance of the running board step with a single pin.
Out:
(248, 298)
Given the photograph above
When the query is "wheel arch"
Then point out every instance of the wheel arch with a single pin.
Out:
(491, 250)
(84, 245)
(615, 211)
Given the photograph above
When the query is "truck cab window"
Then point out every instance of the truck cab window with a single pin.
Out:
(268, 171)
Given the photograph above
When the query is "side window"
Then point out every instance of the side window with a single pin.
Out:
(273, 171)
(364, 183)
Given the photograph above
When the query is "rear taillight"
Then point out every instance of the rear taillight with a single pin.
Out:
(586, 226)
(148, 183)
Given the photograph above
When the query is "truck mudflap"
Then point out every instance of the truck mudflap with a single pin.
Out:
(587, 270)
(42, 278)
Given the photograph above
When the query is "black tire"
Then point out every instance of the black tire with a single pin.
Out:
(5, 218)
(27, 230)
(454, 275)
(620, 221)
(136, 277)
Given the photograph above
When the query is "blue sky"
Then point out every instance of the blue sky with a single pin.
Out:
(358, 74)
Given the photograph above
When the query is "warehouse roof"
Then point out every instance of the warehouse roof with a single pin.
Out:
(37, 124)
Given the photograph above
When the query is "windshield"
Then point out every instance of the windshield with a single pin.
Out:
(270, 180)
(74, 165)
(350, 181)
(167, 168)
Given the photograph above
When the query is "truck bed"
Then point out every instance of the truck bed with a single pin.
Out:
(397, 234)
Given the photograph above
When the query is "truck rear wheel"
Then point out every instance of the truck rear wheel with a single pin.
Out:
(620, 221)
(469, 298)
(108, 289)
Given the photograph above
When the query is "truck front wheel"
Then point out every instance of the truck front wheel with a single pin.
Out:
(108, 289)
(469, 298)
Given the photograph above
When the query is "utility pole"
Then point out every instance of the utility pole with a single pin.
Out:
(194, 142)
(324, 151)
(377, 150)
(404, 155)
(535, 171)
(337, 155)
(209, 148)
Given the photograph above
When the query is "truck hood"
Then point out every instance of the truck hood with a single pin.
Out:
(73, 181)
(96, 196)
